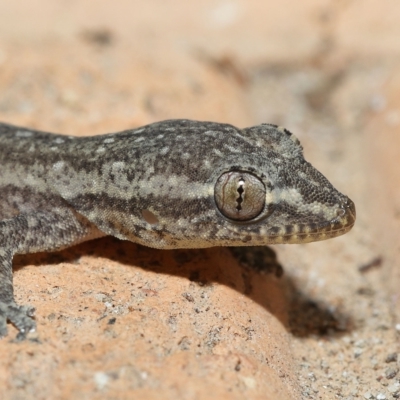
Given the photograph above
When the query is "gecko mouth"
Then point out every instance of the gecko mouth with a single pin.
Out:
(341, 224)
(346, 217)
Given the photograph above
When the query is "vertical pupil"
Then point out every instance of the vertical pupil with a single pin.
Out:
(240, 190)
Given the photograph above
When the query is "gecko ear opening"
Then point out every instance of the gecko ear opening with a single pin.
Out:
(240, 196)
(149, 217)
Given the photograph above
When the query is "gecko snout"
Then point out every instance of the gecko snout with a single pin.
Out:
(349, 215)
(344, 221)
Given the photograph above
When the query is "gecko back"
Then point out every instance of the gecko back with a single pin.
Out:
(191, 184)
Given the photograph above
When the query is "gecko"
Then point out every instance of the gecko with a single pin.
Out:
(167, 185)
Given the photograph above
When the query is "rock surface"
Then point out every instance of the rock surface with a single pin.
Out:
(116, 320)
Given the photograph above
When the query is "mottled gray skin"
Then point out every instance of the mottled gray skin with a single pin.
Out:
(155, 186)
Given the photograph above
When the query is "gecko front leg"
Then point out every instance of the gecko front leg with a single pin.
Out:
(19, 316)
(29, 233)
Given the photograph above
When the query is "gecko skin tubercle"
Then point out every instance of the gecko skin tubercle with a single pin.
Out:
(171, 184)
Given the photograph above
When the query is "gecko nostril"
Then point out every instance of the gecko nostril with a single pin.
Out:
(340, 212)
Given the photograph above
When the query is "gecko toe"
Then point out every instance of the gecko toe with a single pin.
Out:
(19, 316)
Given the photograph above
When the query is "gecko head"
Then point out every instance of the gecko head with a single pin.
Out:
(204, 184)
(275, 196)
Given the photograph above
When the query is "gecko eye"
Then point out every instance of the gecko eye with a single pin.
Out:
(240, 196)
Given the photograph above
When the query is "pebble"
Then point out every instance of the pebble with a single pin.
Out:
(393, 388)
(391, 372)
(392, 357)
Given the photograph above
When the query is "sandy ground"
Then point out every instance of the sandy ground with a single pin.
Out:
(120, 321)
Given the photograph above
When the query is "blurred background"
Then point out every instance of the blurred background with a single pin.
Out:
(326, 70)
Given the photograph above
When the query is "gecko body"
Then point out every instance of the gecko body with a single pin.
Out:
(172, 184)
